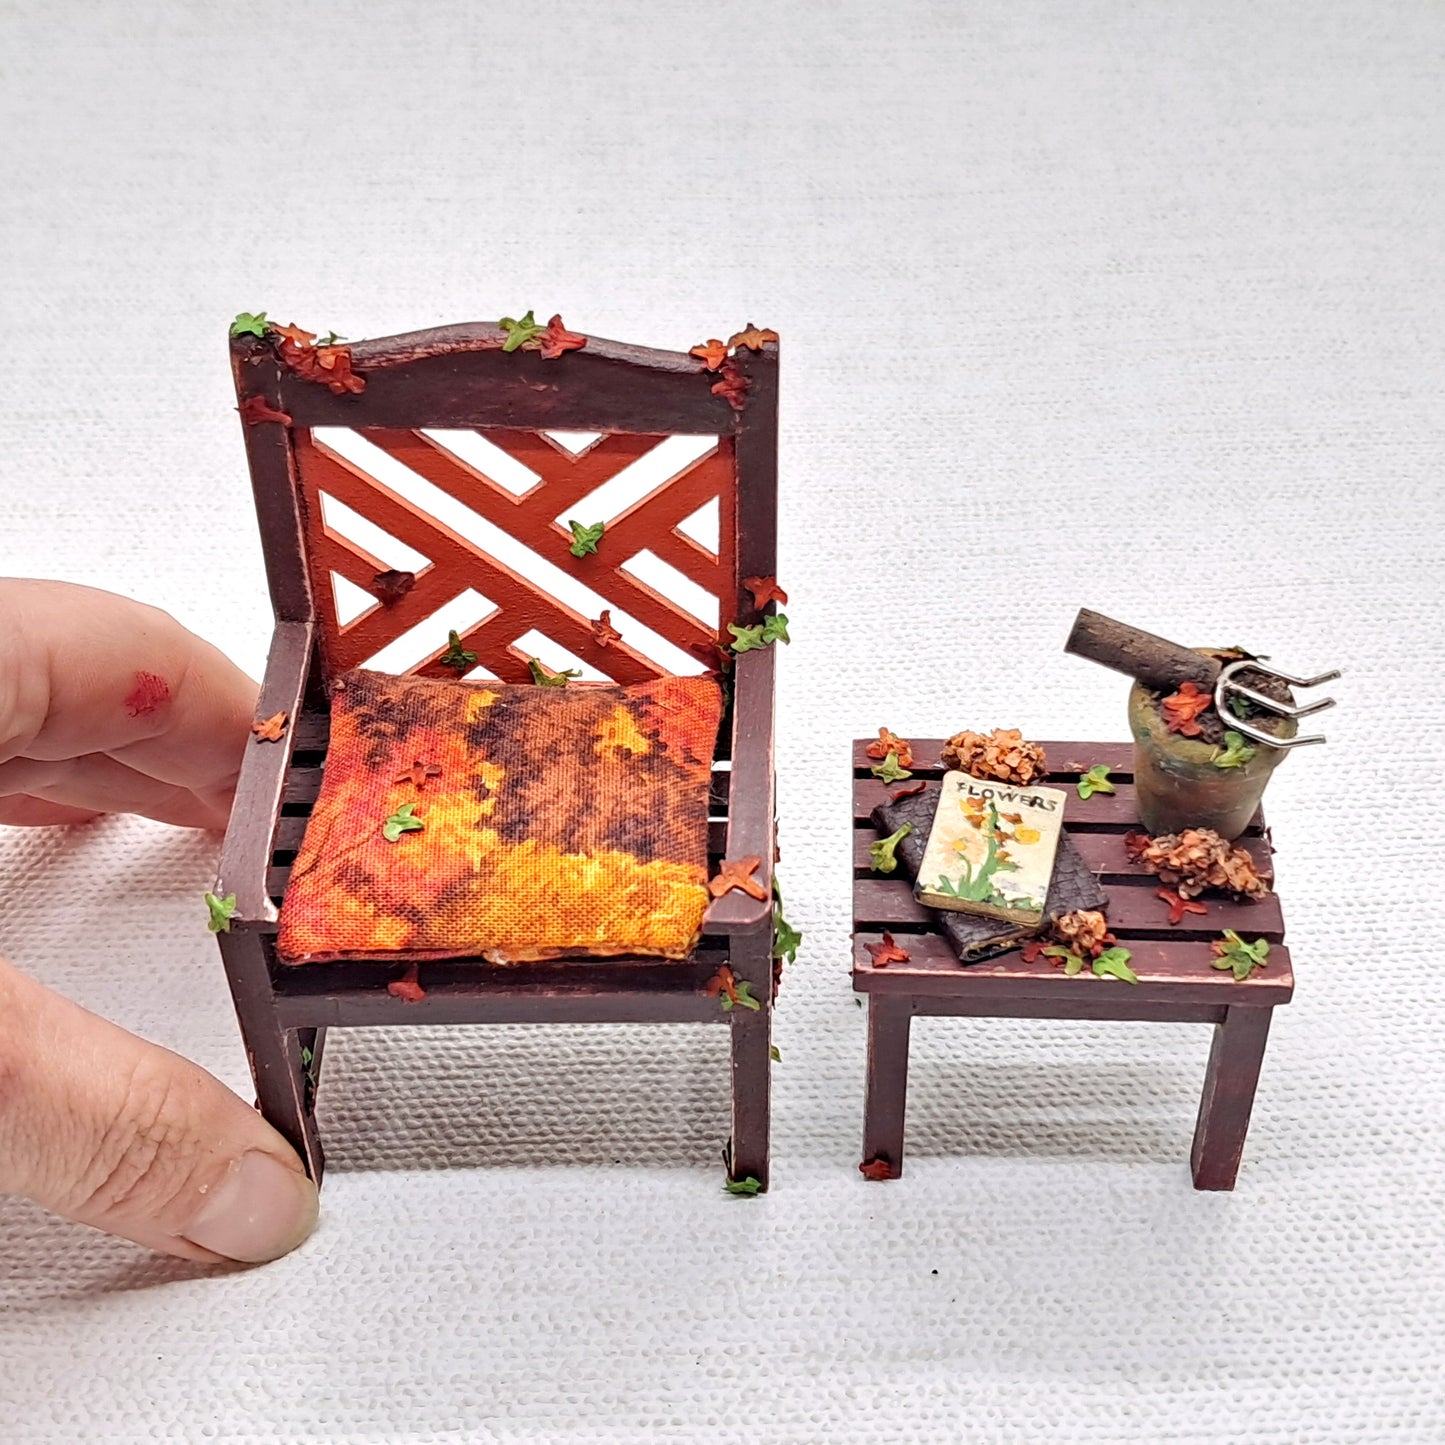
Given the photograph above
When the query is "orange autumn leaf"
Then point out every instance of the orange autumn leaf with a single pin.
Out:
(886, 952)
(737, 873)
(294, 334)
(733, 386)
(877, 1170)
(407, 988)
(911, 791)
(890, 742)
(1178, 906)
(765, 590)
(556, 339)
(1181, 709)
(723, 982)
(712, 353)
(752, 337)
(418, 773)
(269, 730)
(603, 630)
(255, 409)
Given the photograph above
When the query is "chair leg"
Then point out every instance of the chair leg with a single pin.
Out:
(1229, 1083)
(752, 1064)
(889, 1017)
(283, 1094)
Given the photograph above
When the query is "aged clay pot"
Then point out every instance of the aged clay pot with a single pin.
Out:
(1178, 785)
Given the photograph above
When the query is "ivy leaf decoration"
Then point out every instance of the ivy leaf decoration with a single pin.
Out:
(1114, 963)
(456, 655)
(775, 1054)
(543, 678)
(221, 911)
(401, 821)
(1235, 753)
(883, 853)
(519, 332)
(585, 539)
(888, 770)
(747, 639)
(775, 628)
(247, 325)
(1233, 952)
(742, 994)
(1073, 962)
(765, 590)
(1096, 780)
(745, 1187)
(786, 938)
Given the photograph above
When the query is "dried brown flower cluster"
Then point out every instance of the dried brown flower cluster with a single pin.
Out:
(1002, 754)
(1084, 931)
(1195, 860)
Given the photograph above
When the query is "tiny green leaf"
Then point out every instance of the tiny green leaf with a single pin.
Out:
(551, 679)
(1243, 958)
(247, 325)
(585, 539)
(330, 339)
(858, 1001)
(1235, 753)
(745, 1187)
(747, 639)
(774, 1054)
(786, 938)
(745, 996)
(775, 628)
(1241, 706)
(519, 332)
(456, 655)
(401, 821)
(1114, 963)
(1096, 780)
(221, 910)
(888, 770)
(884, 852)
(1073, 964)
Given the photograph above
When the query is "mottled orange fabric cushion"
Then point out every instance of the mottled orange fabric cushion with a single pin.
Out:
(554, 822)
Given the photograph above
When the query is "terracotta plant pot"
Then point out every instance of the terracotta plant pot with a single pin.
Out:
(1177, 783)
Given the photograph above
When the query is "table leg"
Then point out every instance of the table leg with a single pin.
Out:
(889, 1016)
(1229, 1084)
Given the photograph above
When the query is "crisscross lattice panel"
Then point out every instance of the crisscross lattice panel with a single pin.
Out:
(415, 530)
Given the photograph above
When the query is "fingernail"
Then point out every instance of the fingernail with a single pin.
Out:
(259, 1211)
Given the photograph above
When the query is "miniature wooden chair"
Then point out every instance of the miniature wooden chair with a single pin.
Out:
(460, 379)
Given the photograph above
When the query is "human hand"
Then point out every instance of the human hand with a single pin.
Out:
(107, 705)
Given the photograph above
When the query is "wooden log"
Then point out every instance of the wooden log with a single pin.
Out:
(1154, 661)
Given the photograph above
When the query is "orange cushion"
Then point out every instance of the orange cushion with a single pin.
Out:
(554, 822)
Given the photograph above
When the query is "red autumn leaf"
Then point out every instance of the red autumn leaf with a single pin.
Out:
(890, 742)
(603, 630)
(1183, 707)
(407, 988)
(328, 365)
(712, 353)
(733, 386)
(1178, 906)
(765, 590)
(418, 773)
(1135, 845)
(886, 952)
(269, 730)
(911, 791)
(737, 873)
(255, 409)
(556, 339)
(392, 585)
(877, 1170)
(717, 657)
(724, 981)
(752, 337)
(1033, 950)
(293, 333)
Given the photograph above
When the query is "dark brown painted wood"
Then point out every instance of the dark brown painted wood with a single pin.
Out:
(1228, 1099)
(1177, 981)
(751, 1061)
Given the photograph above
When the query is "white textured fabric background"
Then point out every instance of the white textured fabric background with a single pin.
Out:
(1128, 305)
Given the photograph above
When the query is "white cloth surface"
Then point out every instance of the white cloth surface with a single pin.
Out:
(1130, 306)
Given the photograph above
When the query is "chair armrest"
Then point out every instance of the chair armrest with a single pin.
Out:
(751, 806)
(250, 835)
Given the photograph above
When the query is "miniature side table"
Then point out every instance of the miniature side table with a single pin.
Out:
(1176, 980)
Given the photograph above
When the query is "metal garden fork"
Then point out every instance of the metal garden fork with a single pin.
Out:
(1227, 688)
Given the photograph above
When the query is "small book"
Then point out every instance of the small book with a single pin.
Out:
(991, 849)
(974, 938)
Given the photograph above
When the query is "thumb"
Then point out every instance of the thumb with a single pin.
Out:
(114, 1132)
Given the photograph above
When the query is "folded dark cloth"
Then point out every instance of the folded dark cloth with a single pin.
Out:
(974, 937)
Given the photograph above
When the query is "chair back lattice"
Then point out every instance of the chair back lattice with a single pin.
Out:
(434, 502)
